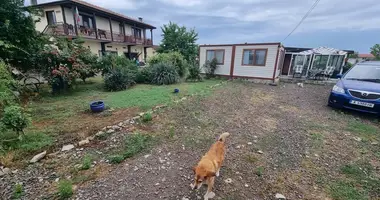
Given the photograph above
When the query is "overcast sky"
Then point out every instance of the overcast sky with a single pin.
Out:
(343, 24)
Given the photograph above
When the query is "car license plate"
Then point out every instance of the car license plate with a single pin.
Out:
(360, 103)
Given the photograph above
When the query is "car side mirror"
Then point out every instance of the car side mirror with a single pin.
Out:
(339, 76)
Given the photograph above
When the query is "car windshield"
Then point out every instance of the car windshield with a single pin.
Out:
(364, 73)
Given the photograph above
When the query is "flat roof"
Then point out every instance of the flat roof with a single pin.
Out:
(241, 44)
(99, 9)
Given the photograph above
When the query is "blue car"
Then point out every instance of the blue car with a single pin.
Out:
(358, 89)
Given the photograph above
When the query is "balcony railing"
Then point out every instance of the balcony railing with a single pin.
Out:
(86, 32)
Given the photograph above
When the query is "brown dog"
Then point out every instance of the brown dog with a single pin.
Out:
(209, 166)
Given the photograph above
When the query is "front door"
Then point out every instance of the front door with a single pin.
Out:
(50, 16)
(285, 68)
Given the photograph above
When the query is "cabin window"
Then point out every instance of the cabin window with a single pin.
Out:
(254, 57)
(217, 54)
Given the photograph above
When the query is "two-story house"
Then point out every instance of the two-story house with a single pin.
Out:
(103, 30)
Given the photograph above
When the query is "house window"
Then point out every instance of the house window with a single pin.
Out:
(50, 16)
(217, 54)
(136, 32)
(121, 29)
(254, 57)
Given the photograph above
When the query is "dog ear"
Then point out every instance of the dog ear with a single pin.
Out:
(211, 174)
(194, 168)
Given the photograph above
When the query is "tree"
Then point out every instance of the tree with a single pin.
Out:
(375, 50)
(19, 40)
(176, 38)
(354, 55)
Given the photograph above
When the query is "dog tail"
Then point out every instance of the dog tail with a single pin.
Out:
(222, 137)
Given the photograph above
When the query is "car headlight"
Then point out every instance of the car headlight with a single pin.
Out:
(338, 89)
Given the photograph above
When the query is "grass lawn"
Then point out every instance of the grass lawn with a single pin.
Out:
(67, 117)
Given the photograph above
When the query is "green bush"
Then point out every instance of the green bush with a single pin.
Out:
(210, 68)
(16, 119)
(86, 162)
(119, 79)
(147, 117)
(111, 61)
(18, 191)
(144, 75)
(173, 58)
(65, 189)
(164, 74)
(116, 159)
(7, 84)
(194, 73)
(135, 144)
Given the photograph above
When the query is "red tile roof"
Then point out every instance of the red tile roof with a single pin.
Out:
(366, 55)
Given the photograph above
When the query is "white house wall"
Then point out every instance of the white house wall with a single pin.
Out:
(103, 23)
(222, 69)
(255, 71)
(94, 46)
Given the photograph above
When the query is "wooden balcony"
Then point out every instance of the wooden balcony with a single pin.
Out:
(90, 33)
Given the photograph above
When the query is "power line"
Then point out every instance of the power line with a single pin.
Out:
(303, 18)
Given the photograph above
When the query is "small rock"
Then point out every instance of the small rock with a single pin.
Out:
(38, 157)
(246, 185)
(100, 133)
(90, 138)
(40, 179)
(249, 143)
(238, 146)
(1, 173)
(161, 160)
(374, 143)
(255, 136)
(260, 152)
(228, 180)
(15, 171)
(136, 117)
(67, 147)
(185, 198)
(110, 131)
(141, 114)
(6, 170)
(116, 127)
(180, 169)
(121, 124)
(147, 156)
(280, 196)
(300, 85)
(57, 179)
(358, 139)
(136, 168)
(157, 184)
(83, 142)
(163, 180)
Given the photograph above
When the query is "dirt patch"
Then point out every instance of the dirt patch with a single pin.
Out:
(283, 140)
